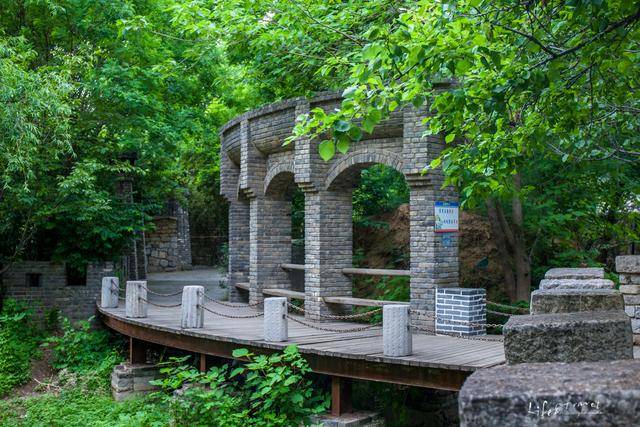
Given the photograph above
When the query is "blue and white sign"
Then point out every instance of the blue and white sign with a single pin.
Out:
(446, 217)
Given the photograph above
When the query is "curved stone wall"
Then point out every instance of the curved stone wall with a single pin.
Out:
(256, 171)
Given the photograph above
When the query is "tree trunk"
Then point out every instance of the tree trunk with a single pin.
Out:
(510, 242)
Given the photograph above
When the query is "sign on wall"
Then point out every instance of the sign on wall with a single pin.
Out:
(446, 217)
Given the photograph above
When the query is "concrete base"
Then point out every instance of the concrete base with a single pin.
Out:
(573, 300)
(553, 394)
(568, 337)
(351, 419)
(129, 380)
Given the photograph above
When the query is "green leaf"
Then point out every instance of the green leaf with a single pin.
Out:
(343, 145)
(240, 352)
(236, 372)
(327, 150)
(449, 138)
(341, 125)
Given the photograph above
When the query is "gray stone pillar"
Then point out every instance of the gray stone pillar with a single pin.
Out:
(270, 246)
(434, 256)
(135, 304)
(396, 330)
(192, 309)
(461, 311)
(275, 320)
(109, 294)
(238, 246)
(328, 249)
(629, 268)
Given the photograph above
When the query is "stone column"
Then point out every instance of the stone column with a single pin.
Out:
(396, 330)
(238, 246)
(136, 306)
(461, 311)
(192, 309)
(434, 256)
(109, 292)
(275, 320)
(328, 249)
(270, 237)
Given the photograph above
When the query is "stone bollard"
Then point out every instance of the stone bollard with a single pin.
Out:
(192, 307)
(461, 311)
(135, 304)
(396, 330)
(275, 320)
(109, 295)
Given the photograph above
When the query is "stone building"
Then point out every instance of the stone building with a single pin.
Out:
(46, 285)
(168, 247)
(258, 175)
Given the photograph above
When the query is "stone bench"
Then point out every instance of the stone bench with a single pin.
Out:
(553, 394)
(544, 301)
(575, 273)
(568, 337)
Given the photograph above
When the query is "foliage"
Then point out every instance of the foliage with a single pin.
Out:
(17, 345)
(83, 349)
(266, 391)
(381, 189)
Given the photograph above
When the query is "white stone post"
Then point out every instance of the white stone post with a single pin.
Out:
(192, 307)
(135, 300)
(396, 330)
(109, 294)
(275, 319)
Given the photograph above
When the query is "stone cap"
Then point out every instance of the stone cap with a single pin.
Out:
(561, 319)
(576, 284)
(628, 264)
(561, 300)
(575, 273)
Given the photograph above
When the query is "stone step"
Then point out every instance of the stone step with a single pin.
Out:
(575, 273)
(545, 301)
(553, 394)
(568, 337)
(576, 284)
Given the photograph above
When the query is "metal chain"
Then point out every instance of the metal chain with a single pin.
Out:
(232, 316)
(229, 304)
(499, 313)
(453, 334)
(321, 328)
(337, 316)
(432, 316)
(160, 305)
(510, 307)
(161, 294)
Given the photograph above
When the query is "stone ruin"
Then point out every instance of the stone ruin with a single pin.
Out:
(568, 363)
(259, 174)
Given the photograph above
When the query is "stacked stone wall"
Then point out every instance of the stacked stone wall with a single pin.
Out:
(629, 268)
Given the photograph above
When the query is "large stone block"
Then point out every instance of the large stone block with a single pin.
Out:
(630, 289)
(573, 300)
(576, 284)
(575, 273)
(630, 279)
(553, 394)
(568, 337)
(628, 264)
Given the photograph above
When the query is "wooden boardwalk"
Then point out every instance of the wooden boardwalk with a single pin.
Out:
(437, 361)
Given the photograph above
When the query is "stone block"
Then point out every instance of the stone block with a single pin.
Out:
(275, 320)
(129, 380)
(628, 264)
(576, 284)
(629, 279)
(575, 273)
(136, 299)
(572, 300)
(396, 330)
(630, 289)
(631, 310)
(192, 308)
(553, 394)
(631, 299)
(351, 419)
(109, 292)
(568, 337)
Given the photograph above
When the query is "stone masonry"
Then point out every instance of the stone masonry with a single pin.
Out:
(168, 246)
(628, 267)
(43, 285)
(259, 173)
(461, 311)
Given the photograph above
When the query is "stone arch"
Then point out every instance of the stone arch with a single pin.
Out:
(345, 172)
(279, 180)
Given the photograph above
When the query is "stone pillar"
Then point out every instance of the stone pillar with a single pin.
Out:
(434, 256)
(275, 320)
(270, 237)
(192, 309)
(328, 249)
(396, 330)
(238, 246)
(109, 294)
(461, 311)
(135, 304)
(628, 266)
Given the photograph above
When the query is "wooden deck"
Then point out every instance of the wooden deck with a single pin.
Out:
(437, 361)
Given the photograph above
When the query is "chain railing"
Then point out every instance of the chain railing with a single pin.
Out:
(232, 316)
(328, 329)
(337, 316)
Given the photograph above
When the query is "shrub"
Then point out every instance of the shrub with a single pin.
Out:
(266, 391)
(17, 345)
